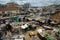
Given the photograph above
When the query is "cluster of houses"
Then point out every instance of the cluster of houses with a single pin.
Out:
(33, 16)
(13, 9)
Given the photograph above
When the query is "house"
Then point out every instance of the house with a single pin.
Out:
(2, 10)
(11, 8)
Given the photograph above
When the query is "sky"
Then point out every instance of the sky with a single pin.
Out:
(33, 2)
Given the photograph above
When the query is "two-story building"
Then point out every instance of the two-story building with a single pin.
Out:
(11, 8)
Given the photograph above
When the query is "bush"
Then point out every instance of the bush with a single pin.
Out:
(48, 37)
(59, 31)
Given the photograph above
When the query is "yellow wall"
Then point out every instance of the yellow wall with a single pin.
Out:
(0, 12)
(12, 11)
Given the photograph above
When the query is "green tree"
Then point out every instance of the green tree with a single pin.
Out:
(48, 37)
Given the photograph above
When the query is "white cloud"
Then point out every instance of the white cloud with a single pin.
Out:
(34, 2)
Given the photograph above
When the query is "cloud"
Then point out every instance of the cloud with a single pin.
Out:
(34, 2)
(4, 1)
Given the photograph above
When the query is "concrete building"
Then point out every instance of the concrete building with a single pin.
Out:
(10, 8)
